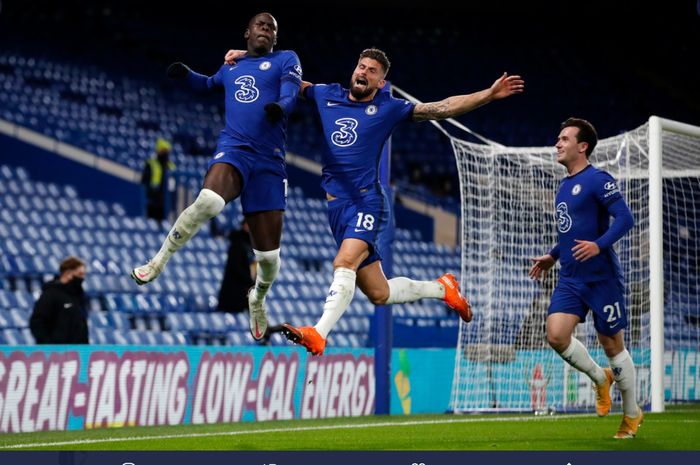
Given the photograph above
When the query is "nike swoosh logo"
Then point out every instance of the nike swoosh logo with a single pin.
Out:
(612, 326)
(219, 155)
(329, 104)
(141, 275)
(360, 230)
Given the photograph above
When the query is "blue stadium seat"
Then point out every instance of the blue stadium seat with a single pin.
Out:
(5, 319)
(172, 302)
(18, 318)
(174, 322)
(151, 302)
(16, 337)
(235, 338)
(7, 299)
(355, 340)
(339, 340)
(119, 320)
(99, 335)
(97, 319)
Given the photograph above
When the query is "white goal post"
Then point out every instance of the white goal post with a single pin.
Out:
(658, 129)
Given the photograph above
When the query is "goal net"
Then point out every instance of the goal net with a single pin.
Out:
(503, 361)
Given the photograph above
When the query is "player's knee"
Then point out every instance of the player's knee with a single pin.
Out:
(343, 262)
(558, 342)
(378, 296)
(268, 264)
(611, 348)
(209, 203)
(267, 257)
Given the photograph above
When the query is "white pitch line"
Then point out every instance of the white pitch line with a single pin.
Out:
(303, 428)
(282, 430)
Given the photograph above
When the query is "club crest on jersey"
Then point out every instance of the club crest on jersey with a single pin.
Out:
(265, 65)
(371, 110)
(576, 189)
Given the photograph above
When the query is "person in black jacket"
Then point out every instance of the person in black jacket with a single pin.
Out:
(239, 274)
(60, 314)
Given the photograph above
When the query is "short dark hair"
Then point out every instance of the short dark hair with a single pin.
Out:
(379, 55)
(70, 263)
(252, 18)
(586, 132)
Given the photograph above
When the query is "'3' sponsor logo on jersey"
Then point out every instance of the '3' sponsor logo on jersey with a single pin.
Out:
(563, 218)
(247, 93)
(345, 136)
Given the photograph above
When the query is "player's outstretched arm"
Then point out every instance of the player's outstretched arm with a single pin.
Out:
(503, 87)
(177, 70)
(540, 266)
(181, 72)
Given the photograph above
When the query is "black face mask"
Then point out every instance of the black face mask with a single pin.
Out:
(75, 285)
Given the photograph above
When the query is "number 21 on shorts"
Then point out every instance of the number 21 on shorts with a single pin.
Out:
(613, 312)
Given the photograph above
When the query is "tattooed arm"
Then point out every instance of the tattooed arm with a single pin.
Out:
(456, 105)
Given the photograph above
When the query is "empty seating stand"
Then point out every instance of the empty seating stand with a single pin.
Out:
(180, 306)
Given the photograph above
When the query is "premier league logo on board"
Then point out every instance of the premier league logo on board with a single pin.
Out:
(563, 218)
(265, 65)
(371, 110)
(576, 189)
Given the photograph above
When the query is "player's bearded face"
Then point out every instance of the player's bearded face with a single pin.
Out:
(360, 86)
(366, 79)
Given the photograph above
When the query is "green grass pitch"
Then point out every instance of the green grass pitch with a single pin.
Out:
(675, 429)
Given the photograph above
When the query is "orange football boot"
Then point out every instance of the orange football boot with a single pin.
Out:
(306, 336)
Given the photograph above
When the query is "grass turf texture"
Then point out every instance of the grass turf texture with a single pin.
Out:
(676, 429)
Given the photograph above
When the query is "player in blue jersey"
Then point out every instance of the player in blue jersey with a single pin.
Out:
(590, 277)
(356, 124)
(261, 90)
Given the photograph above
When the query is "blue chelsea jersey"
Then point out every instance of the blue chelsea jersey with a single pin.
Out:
(250, 84)
(582, 213)
(355, 133)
